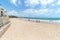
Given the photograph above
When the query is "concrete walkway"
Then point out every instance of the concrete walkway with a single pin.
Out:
(24, 30)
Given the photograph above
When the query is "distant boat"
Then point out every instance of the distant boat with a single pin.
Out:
(3, 16)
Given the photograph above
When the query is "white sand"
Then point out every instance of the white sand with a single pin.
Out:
(25, 30)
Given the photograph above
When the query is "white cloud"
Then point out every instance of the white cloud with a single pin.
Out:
(34, 12)
(58, 2)
(13, 12)
(35, 2)
(13, 2)
(16, 2)
(31, 3)
(58, 11)
(45, 2)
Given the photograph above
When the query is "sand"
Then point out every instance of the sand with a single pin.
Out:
(27, 30)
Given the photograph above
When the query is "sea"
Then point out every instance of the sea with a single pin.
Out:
(45, 20)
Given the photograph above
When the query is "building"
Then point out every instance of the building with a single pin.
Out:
(3, 16)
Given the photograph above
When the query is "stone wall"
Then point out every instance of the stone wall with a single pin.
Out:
(3, 29)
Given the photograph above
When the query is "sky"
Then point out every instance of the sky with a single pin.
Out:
(32, 8)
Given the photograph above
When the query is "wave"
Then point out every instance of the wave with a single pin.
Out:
(45, 21)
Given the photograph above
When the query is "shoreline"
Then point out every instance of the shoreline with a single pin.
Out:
(54, 22)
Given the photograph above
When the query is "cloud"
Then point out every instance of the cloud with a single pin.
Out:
(13, 2)
(41, 13)
(16, 2)
(34, 12)
(45, 2)
(31, 2)
(58, 2)
(48, 8)
(35, 2)
(58, 11)
(13, 12)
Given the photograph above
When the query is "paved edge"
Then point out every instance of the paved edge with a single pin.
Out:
(4, 29)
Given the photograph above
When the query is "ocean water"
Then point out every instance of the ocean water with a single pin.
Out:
(47, 20)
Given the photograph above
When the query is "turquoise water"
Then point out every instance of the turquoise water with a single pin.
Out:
(50, 18)
(41, 18)
(45, 18)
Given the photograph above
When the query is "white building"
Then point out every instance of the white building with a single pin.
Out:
(3, 16)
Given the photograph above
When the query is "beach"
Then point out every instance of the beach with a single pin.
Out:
(28, 30)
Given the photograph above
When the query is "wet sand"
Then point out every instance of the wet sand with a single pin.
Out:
(27, 30)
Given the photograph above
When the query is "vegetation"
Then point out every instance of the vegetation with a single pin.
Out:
(11, 16)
